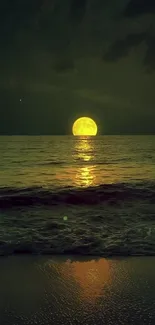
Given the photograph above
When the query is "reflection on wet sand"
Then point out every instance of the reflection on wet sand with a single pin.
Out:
(91, 276)
(82, 291)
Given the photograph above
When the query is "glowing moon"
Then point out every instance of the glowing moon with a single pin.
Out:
(84, 126)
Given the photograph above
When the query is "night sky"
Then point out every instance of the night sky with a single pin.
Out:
(62, 59)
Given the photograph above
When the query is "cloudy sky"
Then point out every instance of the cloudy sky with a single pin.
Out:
(62, 59)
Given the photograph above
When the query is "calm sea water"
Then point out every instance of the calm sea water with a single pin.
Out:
(89, 195)
(60, 161)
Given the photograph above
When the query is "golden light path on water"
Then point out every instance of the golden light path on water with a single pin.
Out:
(84, 153)
(88, 171)
(83, 169)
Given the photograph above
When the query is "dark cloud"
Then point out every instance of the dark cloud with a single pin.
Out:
(121, 48)
(149, 60)
(64, 65)
(138, 7)
(77, 10)
(18, 14)
(51, 58)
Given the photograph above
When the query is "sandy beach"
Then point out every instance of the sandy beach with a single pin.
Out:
(77, 290)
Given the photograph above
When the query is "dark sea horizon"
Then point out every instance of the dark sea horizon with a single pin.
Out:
(77, 195)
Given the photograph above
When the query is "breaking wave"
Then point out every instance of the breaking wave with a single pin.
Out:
(110, 193)
(106, 220)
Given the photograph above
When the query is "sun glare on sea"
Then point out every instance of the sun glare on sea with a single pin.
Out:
(84, 126)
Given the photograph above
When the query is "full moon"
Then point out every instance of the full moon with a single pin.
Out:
(84, 126)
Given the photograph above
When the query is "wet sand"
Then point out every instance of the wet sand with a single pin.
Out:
(77, 290)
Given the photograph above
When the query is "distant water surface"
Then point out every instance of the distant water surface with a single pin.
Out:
(83, 195)
(60, 161)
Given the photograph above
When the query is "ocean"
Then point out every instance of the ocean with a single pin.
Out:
(77, 195)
